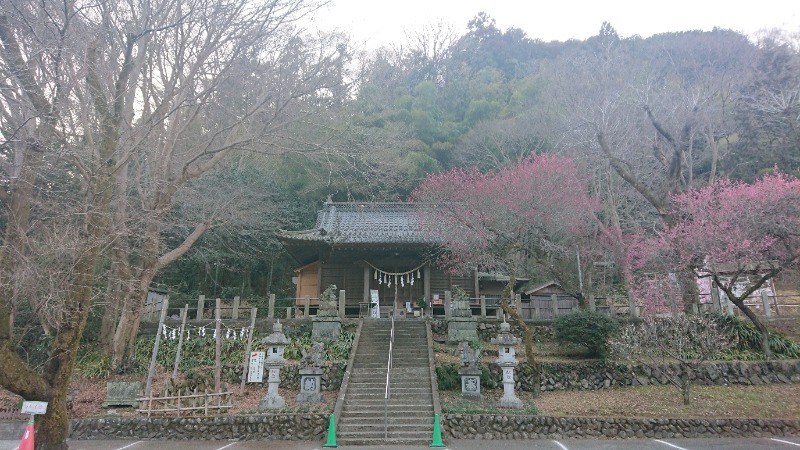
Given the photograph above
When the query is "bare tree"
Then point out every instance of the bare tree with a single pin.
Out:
(127, 102)
(659, 342)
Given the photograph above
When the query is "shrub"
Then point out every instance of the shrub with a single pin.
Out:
(587, 329)
(447, 377)
(748, 339)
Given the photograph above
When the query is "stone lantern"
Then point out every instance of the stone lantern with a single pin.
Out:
(507, 360)
(276, 344)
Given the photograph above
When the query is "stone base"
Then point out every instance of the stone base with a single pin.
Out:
(272, 402)
(461, 329)
(511, 402)
(326, 329)
(471, 384)
(310, 380)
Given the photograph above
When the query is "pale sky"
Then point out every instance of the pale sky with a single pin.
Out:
(374, 23)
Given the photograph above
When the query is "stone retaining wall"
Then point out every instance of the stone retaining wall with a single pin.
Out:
(474, 426)
(305, 427)
(593, 375)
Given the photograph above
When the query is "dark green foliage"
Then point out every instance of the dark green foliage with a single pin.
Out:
(748, 340)
(587, 329)
(487, 380)
(448, 378)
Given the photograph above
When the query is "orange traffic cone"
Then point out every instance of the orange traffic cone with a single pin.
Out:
(27, 439)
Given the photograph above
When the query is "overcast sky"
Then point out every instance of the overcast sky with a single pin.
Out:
(373, 23)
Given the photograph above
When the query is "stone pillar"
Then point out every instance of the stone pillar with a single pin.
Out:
(276, 344)
(507, 361)
(306, 306)
(483, 306)
(342, 298)
(765, 302)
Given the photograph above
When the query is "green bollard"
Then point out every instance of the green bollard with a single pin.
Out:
(437, 433)
(331, 442)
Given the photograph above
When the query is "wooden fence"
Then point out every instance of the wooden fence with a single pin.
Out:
(188, 404)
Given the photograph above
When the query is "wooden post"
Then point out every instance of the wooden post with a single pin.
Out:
(200, 304)
(765, 302)
(342, 298)
(447, 304)
(184, 313)
(218, 353)
(483, 306)
(149, 385)
(518, 302)
(271, 307)
(235, 312)
(592, 303)
(554, 305)
(729, 305)
(537, 311)
(248, 347)
(306, 306)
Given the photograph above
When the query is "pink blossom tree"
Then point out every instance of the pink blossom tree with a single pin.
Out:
(728, 231)
(539, 208)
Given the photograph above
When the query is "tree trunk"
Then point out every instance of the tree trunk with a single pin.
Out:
(762, 329)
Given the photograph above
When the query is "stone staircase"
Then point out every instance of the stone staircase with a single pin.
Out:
(410, 411)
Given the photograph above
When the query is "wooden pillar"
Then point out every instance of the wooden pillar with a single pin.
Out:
(246, 365)
(427, 285)
(365, 297)
(765, 302)
(483, 306)
(271, 307)
(554, 305)
(235, 312)
(477, 284)
(200, 305)
(184, 313)
(446, 304)
(149, 385)
(341, 303)
(218, 349)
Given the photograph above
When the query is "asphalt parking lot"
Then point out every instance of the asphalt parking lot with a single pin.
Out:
(564, 444)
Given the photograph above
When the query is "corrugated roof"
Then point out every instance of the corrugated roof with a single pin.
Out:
(366, 223)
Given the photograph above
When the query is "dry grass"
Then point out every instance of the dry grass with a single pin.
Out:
(776, 401)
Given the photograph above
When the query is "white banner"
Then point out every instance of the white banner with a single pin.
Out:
(376, 307)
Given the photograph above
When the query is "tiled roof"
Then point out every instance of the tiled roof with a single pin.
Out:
(365, 223)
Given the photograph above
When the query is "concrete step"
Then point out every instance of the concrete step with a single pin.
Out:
(371, 439)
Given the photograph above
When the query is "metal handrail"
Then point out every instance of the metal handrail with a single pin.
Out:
(386, 393)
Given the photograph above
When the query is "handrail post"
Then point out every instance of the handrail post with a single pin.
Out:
(386, 392)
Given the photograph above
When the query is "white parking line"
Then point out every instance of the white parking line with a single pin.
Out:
(786, 442)
(667, 443)
(129, 445)
(232, 443)
(563, 447)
